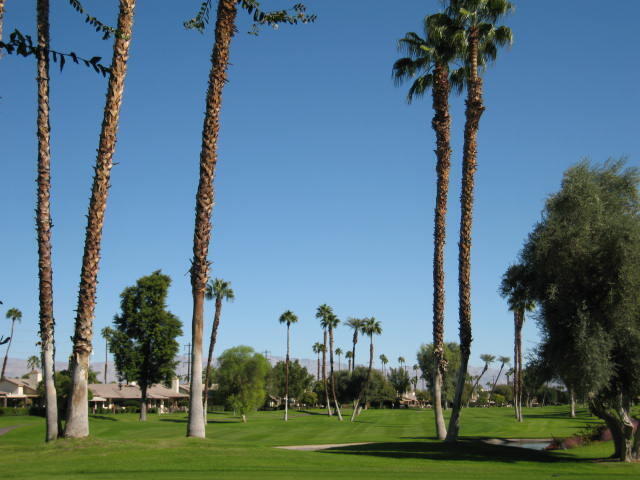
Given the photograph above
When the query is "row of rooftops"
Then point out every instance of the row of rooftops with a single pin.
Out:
(28, 388)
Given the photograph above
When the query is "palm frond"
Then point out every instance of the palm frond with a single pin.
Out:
(106, 30)
(419, 87)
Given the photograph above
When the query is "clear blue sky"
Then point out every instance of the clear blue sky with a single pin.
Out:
(326, 181)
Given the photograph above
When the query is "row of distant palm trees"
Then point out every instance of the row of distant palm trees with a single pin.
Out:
(457, 43)
(329, 321)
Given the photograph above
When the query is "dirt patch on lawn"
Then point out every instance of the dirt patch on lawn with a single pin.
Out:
(313, 448)
(8, 429)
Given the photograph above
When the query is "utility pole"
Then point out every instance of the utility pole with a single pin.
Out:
(106, 352)
(189, 363)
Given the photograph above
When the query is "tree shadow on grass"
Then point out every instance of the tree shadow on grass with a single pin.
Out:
(463, 450)
(184, 420)
(103, 417)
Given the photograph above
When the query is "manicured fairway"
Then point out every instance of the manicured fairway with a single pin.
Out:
(122, 448)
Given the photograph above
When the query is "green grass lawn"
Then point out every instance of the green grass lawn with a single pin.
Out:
(120, 448)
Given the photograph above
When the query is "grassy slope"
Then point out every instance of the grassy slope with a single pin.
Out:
(122, 448)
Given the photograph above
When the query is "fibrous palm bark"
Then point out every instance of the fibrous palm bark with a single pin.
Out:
(1, 17)
(473, 112)
(77, 414)
(43, 224)
(441, 124)
(224, 31)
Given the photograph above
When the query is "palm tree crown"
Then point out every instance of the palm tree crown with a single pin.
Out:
(219, 289)
(371, 327)
(487, 358)
(329, 321)
(356, 324)
(288, 317)
(14, 314)
(339, 351)
(442, 44)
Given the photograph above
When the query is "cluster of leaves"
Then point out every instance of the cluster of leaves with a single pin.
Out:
(296, 14)
(300, 380)
(584, 264)
(241, 377)
(100, 27)
(143, 341)
(400, 380)
(23, 45)
(349, 385)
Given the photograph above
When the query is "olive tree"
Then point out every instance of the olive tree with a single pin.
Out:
(583, 260)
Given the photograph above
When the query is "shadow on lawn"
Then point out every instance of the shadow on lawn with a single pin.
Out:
(184, 420)
(103, 417)
(464, 450)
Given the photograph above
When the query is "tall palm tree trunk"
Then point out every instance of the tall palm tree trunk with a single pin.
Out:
(106, 358)
(6, 354)
(77, 413)
(324, 375)
(353, 350)
(332, 376)
(474, 109)
(517, 377)
(318, 369)
(363, 392)
(441, 124)
(212, 344)
(43, 224)
(286, 378)
(225, 29)
(495, 382)
(1, 19)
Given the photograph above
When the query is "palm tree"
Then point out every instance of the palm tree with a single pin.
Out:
(224, 31)
(349, 356)
(217, 290)
(44, 223)
(428, 65)
(14, 315)
(503, 361)
(508, 374)
(33, 363)
(383, 360)
(78, 411)
(482, 38)
(317, 349)
(339, 354)
(401, 361)
(322, 311)
(514, 287)
(328, 321)
(288, 318)
(370, 328)
(356, 324)
(106, 333)
(488, 360)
